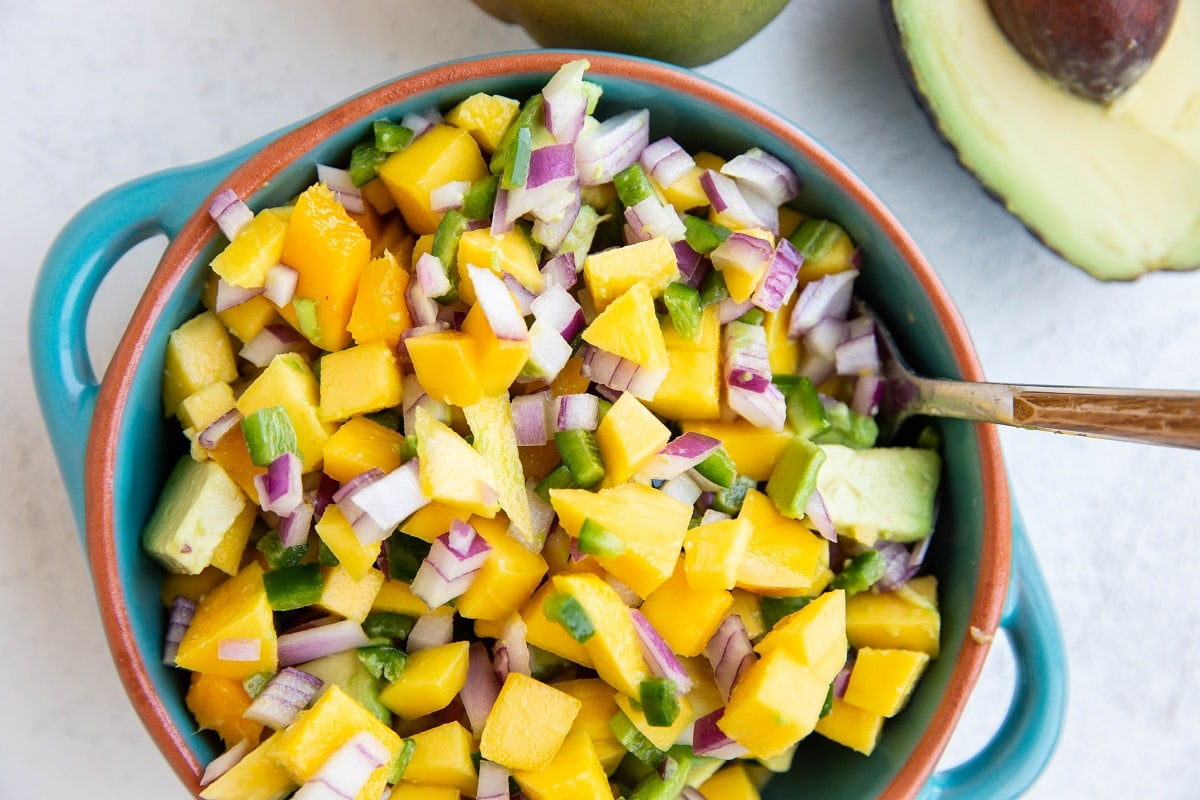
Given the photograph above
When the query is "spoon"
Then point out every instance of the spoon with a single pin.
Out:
(1162, 417)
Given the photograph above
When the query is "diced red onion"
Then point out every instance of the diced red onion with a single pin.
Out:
(780, 279)
(547, 201)
(730, 310)
(842, 679)
(608, 393)
(628, 596)
(280, 285)
(430, 630)
(650, 217)
(230, 213)
(512, 649)
(897, 569)
(868, 394)
(225, 762)
(688, 261)
(523, 297)
(431, 277)
(498, 304)
(209, 437)
(286, 694)
(667, 768)
(766, 211)
(529, 418)
(344, 496)
(665, 161)
(712, 515)
(501, 224)
(766, 409)
(730, 653)
(271, 341)
(344, 774)
(295, 527)
(858, 356)
(552, 232)
(548, 352)
(182, 611)
(921, 546)
(565, 105)
(449, 195)
(230, 296)
(479, 693)
(691, 793)
(421, 305)
(493, 781)
(829, 296)
(421, 121)
(824, 337)
(679, 455)
(337, 180)
(550, 163)
(741, 252)
(393, 498)
(234, 648)
(765, 173)
(558, 309)
(451, 566)
(658, 654)
(683, 489)
(575, 412)
(353, 203)
(606, 149)
(644, 384)
(560, 271)
(709, 740)
(727, 199)
(298, 646)
(542, 514)
(818, 514)
(749, 390)
(279, 488)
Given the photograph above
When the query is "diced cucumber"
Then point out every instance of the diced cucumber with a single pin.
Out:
(564, 609)
(297, 586)
(269, 434)
(580, 452)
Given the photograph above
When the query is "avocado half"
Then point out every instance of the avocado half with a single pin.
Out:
(1114, 189)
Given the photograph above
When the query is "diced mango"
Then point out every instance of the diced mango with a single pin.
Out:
(731, 782)
(742, 280)
(234, 457)
(692, 388)
(509, 253)
(287, 381)
(443, 756)
(783, 354)
(686, 633)
(495, 439)
(236, 609)
(359, 445)
(598, 707)
(432, 520)
(838, 257)
(651, 523)
(255, 249)
(228, 555)
(754, 450)
(628, 436)
(714, 552)
(330, 251)
(783, 557)
(204, 407)
(380, 312)
(527, 724)
(440, 155)
(355, 557)
(198, 354)
(430, 680)
(256, 777)
(451, 471)
(317, 733)
(705, 696)
(193, 587)
(614, 648)
(894, 620)
(575, 771)
(629, 328)
(851, 726)
(359, 380)
(446, 365)
(347, 596)
(610, 273)
(686, 193)
(882, 680)
(661, 737)
(775, 704)
(485, 116)
(748, 606)
(550, 636)
(498, 361)
(507, 578)
(217, 703)
(808, 634)
(396, 596)
(423, 791)
(246, 320)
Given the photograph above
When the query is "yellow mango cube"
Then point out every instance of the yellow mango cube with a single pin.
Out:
(851, 726)
(686, 634)
(495, 439)
(507, 578)
(423, 791)
(204, 407)
(599, 705)
(446, 365)
(783, 556)
(741, 282)
(748, 606)
(754, 450)
(810, 633)
(628, 436)
(527, 724)
(629, 328)
(575, 771)
(256, 777)
(359, 380)
(193, 587)
(359, 445)
(651, 523)
(217, 704)
(498, 361)
(783, 354)
(896, 620)
(380, 311)
(330, 251)
(687, 193)
(246, 320)
(550, 636)
(432, 520)
(661, 737)
(255, 249)
(775, 704)
(443, 756)
(353, 556)
(228, 555)
(287, 381)
(509, 252)
(837, 257)
(317, 733)
(692, 388)
(485, 116)
(713, 553)
(882, 680)
(430, 680)
(705, 696)
(396, 596)
(198, 354)
(614, 648)
(348, 596)
(451, 471)
(234, 457)
(440, 155)
(236, 609)
(731, 782)
(610, 273)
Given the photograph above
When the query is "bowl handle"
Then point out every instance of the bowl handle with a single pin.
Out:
(1021, 748)
(85, 251)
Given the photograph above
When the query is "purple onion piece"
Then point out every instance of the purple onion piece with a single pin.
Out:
(180, 617)
(318, 641)
(659, 656)
(286, 694)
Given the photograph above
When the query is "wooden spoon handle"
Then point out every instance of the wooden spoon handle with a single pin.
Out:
(1166, 418)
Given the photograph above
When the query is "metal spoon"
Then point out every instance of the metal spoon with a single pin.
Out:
(1162, 417)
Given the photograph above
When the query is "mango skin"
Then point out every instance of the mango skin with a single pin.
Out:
(689, 34)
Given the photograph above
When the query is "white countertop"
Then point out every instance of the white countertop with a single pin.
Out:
(96, 93)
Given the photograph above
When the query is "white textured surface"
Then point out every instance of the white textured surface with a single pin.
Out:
(96, 93)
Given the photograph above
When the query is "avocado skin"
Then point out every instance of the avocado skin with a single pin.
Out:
(689, 34)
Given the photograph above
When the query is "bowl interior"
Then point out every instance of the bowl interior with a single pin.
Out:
(697, 120)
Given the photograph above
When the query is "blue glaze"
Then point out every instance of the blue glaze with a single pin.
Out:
(95, 239)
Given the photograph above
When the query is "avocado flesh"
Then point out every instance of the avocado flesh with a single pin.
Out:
(198, 504)
(880, 493)
(1113, 189)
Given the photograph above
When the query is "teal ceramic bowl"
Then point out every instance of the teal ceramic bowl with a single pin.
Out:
(114, 447)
